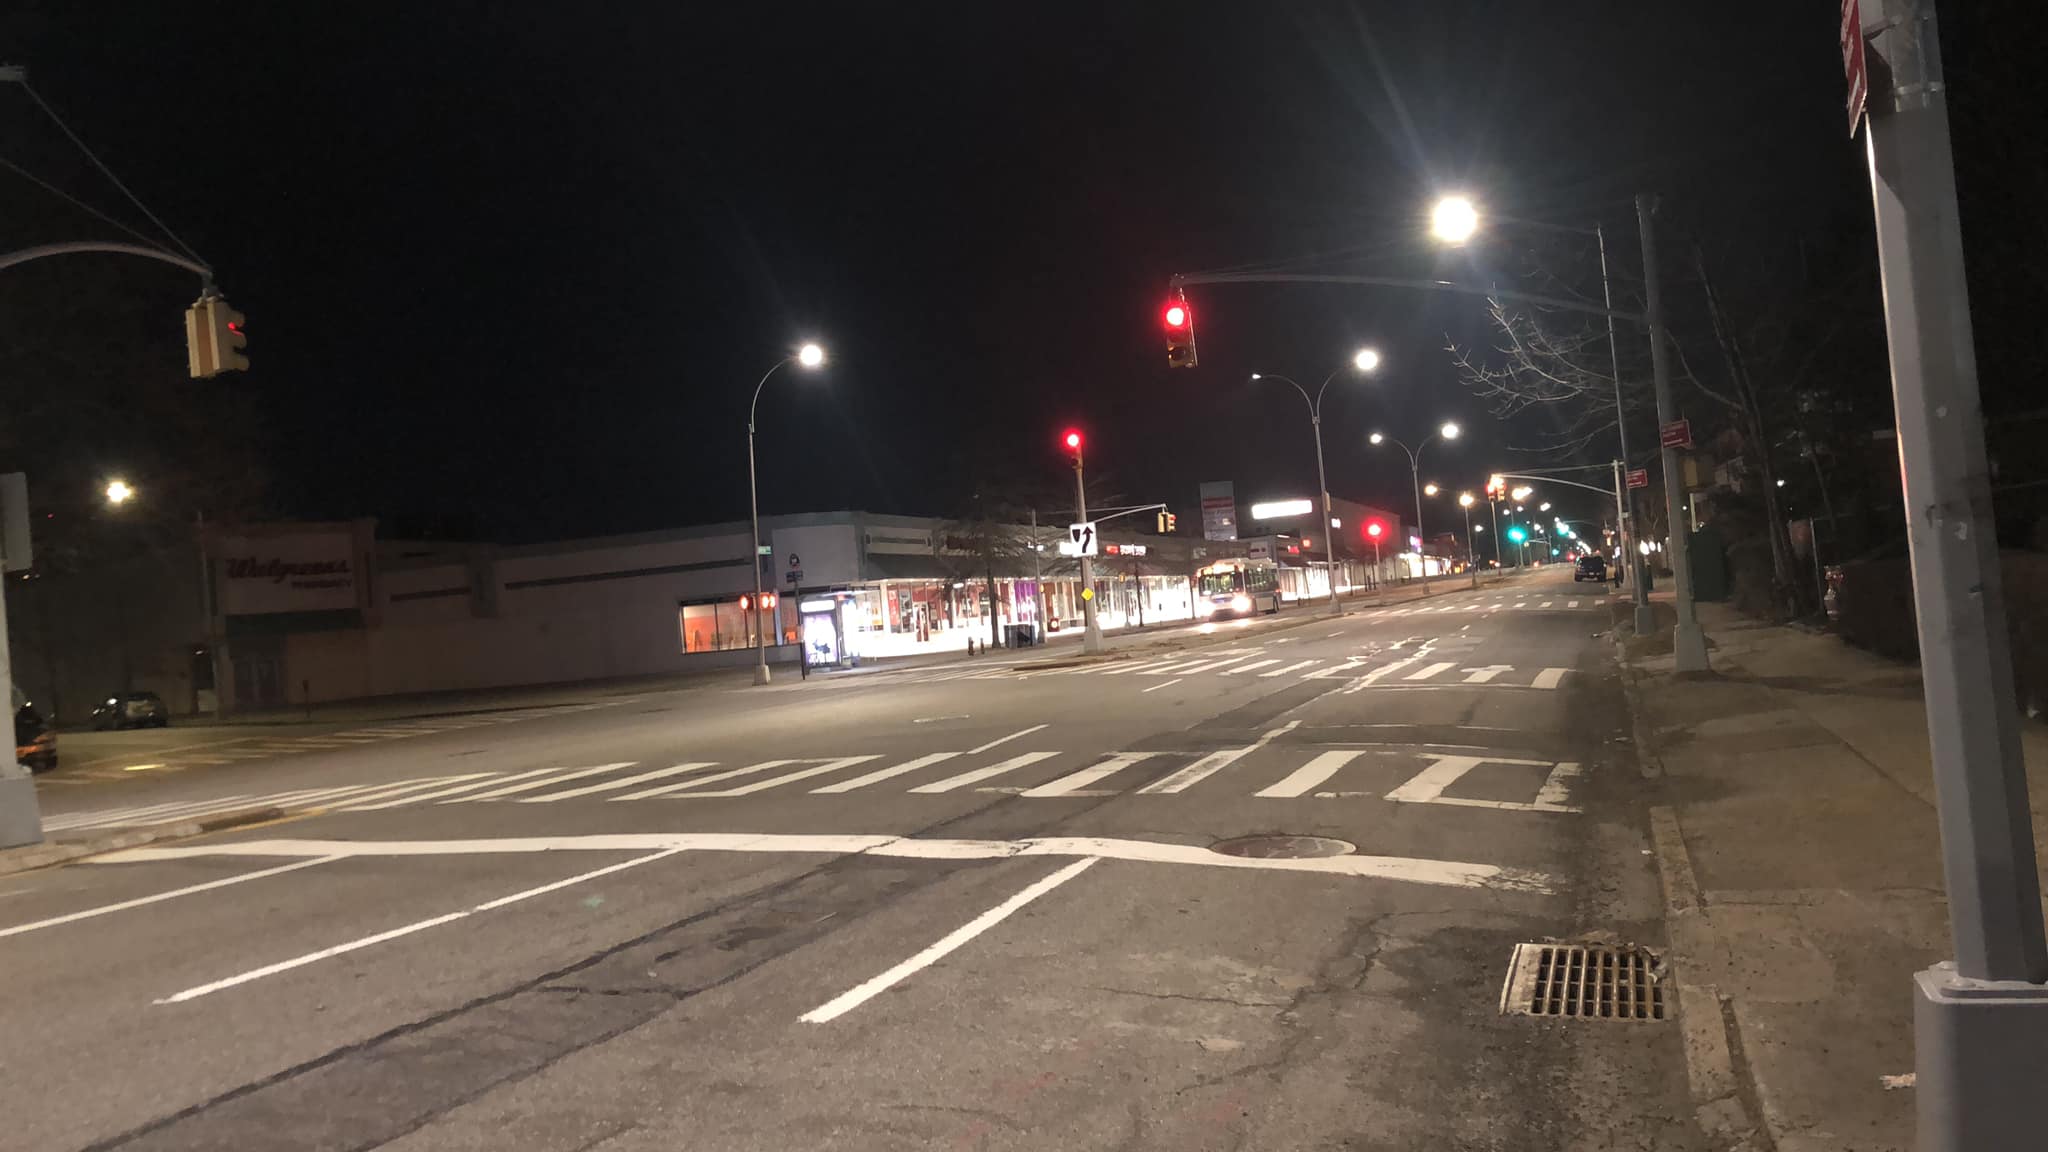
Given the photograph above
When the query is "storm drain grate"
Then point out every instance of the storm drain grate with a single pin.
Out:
(1588, 981)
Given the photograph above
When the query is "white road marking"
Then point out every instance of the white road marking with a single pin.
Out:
(1333, 635)
(406, 930)
(714, 778)
(1427, 671)
(860, 994)
(1289, 668)
(1427, 786)
(1208, 766)
(1482, 675)
(1335, 670)
(1204, 667)
(557, 776)
(1094, 773)
(1245, 668)
(457, 790)
(890, 772)
(1546, 603)
(372, 792)
(1385, 670)
(832, 765)
(142, 901)
(1519, 604)
(1445, 872)
(979, 774)
(1556, 788)
(615, 785)
(84, 819)
(1157, 687)
(1321, 768)
(1549, 678)
(1571, 603)
(1004, 740)
(1144, 667)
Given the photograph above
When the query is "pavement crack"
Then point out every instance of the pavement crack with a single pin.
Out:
(1241, 1003)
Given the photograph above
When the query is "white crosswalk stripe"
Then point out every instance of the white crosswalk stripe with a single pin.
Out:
(1095, 773)
(778, 781)
(1310, 775)
(965, 779)
(889, 773)
(1243, 668)
(1289, 668)
(615, 785)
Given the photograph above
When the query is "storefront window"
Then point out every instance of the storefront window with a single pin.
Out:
(700, 628)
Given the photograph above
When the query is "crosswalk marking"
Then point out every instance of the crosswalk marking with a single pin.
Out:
(1546, 604)
(1250, 666)
(1549, 678)
(1323, 766)
(889, 773)
(1429, 670)
(1335, 670)
(1289, 668)
(976, 776)
(1075, 781)
(1482, 675)
(615, 785)
(1571, 603)
(714, 778)
(1134, 667)
(1213, 664)
(552, 776)
(457, 790)
(1209, 765)
(401, 788)
(789, 778)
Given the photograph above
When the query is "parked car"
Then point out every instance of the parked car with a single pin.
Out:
(131, 710)
(1592, 566)
(35, 742)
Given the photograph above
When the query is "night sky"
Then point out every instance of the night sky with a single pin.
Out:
(512, 269)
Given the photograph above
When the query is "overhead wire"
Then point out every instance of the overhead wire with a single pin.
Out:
(81, 205)
(109, 173)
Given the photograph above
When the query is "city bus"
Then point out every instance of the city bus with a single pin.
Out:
(1237, 588)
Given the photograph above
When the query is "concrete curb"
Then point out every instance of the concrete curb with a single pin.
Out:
(49, 855)
(1721, 1106)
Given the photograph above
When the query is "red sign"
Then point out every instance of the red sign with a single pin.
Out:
(1852, 61)
(1639, 477)
(1677, 434)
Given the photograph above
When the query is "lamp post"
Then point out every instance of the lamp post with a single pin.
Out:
(808, 356)
(1455, 220)
(1448, 431)
(1376, 530)
(1466, 501)
(1364, 361)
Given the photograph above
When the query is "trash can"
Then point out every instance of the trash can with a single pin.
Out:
(1023, 635)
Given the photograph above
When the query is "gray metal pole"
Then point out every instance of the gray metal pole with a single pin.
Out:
(1689, 646)
(1037, 583)
(1471, 549)
(1980, 1022)
(21, 819)
(754, 559)
(1091, 631)
(1421, 536)
(1500, 565)
(1329, 538)
(1646, 620)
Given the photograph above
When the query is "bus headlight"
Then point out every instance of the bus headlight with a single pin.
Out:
(1240, 603)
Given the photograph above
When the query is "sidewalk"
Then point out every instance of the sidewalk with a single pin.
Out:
(1794, 824)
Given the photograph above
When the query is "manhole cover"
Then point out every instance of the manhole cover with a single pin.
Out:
(1284, 847)
(1588, 981)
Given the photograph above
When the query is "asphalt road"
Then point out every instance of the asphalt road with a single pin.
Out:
(967, 907)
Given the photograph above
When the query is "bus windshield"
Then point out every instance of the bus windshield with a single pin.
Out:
(1222, 583)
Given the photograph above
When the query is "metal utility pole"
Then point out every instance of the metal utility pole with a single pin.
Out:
(1091, 631)
(1646, 620)
(1500, 567)
(1689, 645)
(1037, 584)
(21, 819)
(1981, 1020)
(1366, 360)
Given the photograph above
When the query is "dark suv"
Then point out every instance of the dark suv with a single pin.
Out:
(1592, 566)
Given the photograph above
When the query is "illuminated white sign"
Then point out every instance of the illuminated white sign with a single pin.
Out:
(1281, 509)
(812, 606)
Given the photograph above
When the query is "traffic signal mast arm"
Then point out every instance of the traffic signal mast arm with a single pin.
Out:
(1608, 492)
(1181, 280)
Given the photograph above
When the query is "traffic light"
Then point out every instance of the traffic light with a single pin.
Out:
(1374, 530)
(1072, 439)
(1179, 320)
(1171, 522)
(214, 338)
(1517, 533)
(1166, 522)
(1162, 524)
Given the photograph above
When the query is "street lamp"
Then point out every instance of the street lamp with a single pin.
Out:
(1447, 431)
(119, 492)
(1543, 507)
(1429, 489)
(809, 356)
(1465, 501)
(1365, 360)
(1454, 220)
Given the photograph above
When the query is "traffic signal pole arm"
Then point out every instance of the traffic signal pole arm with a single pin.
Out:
(69, 247)
(1554, 480)
(1183, 279)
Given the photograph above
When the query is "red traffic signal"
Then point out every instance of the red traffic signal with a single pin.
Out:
(1375, 529)
(1072, 439)
(767, 602)
(1179, 320)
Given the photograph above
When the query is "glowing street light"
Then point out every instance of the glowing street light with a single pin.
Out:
(1543, 507)
(1448, 431)
(809, 356)
(1365, 361)
(119, 492)
(1465, 501)
(1454, 220)
(1429, 489)
(1520, 494)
